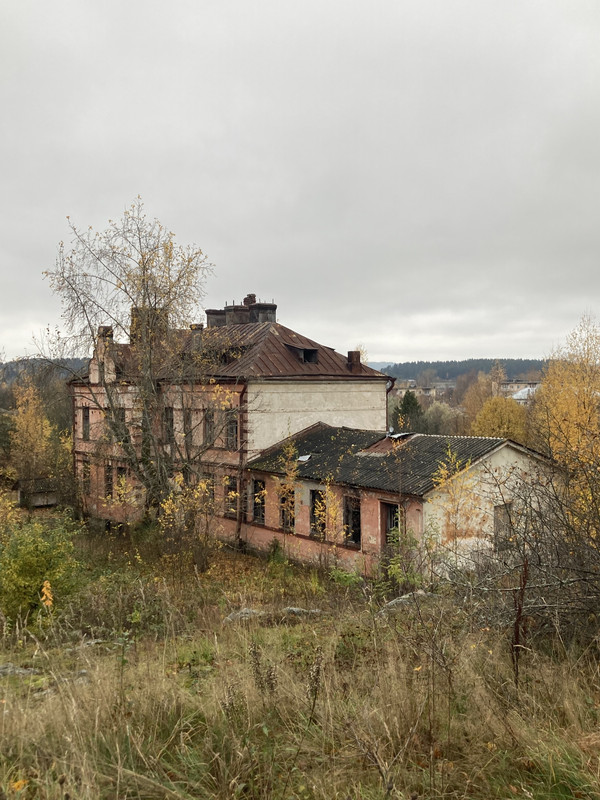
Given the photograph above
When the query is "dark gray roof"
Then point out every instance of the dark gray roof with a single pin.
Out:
(342, 455)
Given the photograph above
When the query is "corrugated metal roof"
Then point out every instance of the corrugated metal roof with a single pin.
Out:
(347, 456)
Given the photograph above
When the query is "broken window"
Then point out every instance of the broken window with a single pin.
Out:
(169, 424)
(352, 520)
(206, 484)
(108, 480)
(116, 428)
(310, 356)
(187, 425)
(318, 513)
(120, 424)
(230, 496)
(86, 483)
(209, 427)
(231, 431)
(391, 522)
(287, 510)
(85, 423)
(259, 494)
(503, 527)
(121, 482)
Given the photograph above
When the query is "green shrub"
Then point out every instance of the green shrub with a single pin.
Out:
(30, 555)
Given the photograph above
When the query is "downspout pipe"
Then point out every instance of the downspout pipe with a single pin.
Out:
(388, 388)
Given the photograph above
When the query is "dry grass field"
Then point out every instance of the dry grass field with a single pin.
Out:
(134, 686)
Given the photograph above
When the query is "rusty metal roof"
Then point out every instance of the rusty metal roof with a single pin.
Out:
(270, 350)
(262, 350)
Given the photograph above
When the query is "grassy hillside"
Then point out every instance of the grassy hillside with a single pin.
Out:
(135, 686)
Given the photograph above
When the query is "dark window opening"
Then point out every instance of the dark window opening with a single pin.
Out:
(207, 485)
(503, 528)
(318, 513)
(187, 425)
(308, 355)
(230, 496)
(116, 426)
(169, 424)
(392, 522)
(231, 431)
(108, 480)
(121, 482)
(121, 424)
(85, 423)
(258, 502)
(352, 520)
(86, 480)
(287, 511)
(209, 426)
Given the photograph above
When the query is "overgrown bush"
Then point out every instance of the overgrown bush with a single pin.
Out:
(32, 553)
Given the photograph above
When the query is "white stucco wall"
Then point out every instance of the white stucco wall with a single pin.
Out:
(460, 515)
(277, 409)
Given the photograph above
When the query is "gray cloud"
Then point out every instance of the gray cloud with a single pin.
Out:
(422, 177)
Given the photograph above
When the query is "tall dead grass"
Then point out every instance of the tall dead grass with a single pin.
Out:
(351, 704)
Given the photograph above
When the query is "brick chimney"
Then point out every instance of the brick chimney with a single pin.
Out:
(248, 311)
(354, 361)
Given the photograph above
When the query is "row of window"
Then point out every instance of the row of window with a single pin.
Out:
(115, 477)
(351, 509)
(114, 485)
(213, 428)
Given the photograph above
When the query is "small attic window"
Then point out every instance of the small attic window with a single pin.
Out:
(307, 355)
(304, 459)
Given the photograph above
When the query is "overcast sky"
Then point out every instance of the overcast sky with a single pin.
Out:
(420, 177)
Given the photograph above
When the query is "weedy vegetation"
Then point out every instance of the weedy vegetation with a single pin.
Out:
(120, 678)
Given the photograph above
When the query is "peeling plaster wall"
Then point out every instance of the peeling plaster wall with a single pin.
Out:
(460, 514)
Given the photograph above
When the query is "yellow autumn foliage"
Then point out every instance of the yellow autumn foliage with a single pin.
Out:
(567, 418)
(31, 438)
(502, 417)
(567, 408)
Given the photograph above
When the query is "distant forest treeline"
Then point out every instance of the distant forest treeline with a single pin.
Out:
(450, 370)
(65, 367)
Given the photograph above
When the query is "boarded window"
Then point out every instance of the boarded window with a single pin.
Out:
(352, 520)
